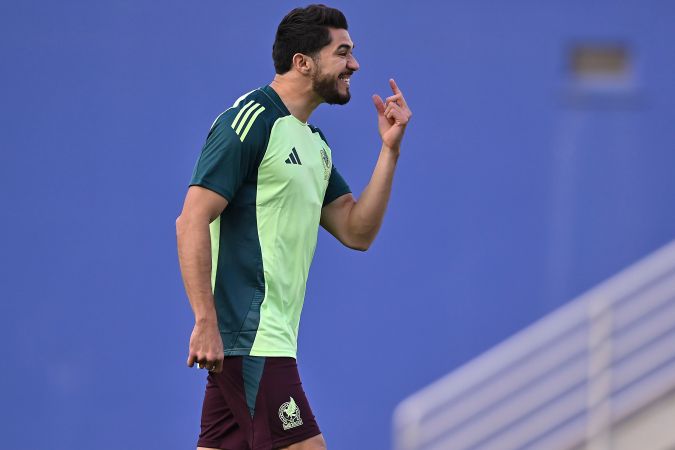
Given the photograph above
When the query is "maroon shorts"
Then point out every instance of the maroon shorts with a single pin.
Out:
(255, 403)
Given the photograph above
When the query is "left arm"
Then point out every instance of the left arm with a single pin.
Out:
(356, 223)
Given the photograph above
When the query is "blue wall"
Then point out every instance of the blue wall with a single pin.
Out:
(511, 198)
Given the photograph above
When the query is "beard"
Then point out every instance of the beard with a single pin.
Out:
(326, 87)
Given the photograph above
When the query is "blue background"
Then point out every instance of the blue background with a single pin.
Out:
(517, 189)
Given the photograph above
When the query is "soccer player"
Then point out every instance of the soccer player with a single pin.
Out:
(247, 233)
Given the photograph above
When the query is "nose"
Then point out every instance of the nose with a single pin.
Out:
(353, 64)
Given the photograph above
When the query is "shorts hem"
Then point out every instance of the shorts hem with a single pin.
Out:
(285, 442)
(209, 444)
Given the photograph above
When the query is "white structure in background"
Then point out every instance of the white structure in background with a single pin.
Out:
(597, 374)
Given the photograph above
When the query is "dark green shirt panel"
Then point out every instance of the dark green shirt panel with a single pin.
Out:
(240, 282)
(226, 162)
(337, 187)
(318, 130)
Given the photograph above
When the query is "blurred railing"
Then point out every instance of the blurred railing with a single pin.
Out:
(564, 381)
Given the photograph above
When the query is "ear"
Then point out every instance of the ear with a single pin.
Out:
(303, 63)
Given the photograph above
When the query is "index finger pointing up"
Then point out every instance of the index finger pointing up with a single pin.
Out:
(396, 90)
(394, 86)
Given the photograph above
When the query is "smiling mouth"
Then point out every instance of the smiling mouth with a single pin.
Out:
(345, 78)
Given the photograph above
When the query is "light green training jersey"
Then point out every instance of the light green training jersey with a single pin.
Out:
(276, 173)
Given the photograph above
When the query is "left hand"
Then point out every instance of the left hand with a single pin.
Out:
(393, 116)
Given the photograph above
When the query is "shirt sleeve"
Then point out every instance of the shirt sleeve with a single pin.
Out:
(225, 161)
(337, 187)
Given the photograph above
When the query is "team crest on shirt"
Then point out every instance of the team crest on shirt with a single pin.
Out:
(326, 164)
(289, 413)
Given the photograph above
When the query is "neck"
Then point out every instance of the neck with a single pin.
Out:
(297, 95)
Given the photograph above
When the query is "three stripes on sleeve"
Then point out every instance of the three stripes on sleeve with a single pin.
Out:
(244, 120)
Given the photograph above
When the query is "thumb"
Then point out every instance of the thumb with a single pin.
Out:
(379, 104)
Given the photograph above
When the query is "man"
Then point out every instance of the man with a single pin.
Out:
(247, 233)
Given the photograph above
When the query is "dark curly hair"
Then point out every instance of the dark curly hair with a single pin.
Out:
(304, 30)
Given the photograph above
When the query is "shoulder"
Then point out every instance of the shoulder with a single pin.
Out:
(319, 132)
(250, 118)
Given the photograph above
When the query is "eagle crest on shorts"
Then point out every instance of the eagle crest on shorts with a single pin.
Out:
(289, 413)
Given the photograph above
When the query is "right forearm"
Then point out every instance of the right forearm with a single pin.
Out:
(194, 254)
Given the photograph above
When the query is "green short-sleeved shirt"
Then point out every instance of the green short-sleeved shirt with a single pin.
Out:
(276, 173)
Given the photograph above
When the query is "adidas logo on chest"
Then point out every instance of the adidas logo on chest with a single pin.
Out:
(293, 157)
(321, 161)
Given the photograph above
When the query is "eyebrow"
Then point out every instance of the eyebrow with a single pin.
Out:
(347, 46)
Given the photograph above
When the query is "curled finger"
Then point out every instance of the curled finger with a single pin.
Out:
(395, 99)
(217, 367)
(393, 107)
(387, 110)
(394, 116)
(398, 116)
(390, 107)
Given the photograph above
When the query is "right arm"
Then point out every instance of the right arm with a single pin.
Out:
(201, 207)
